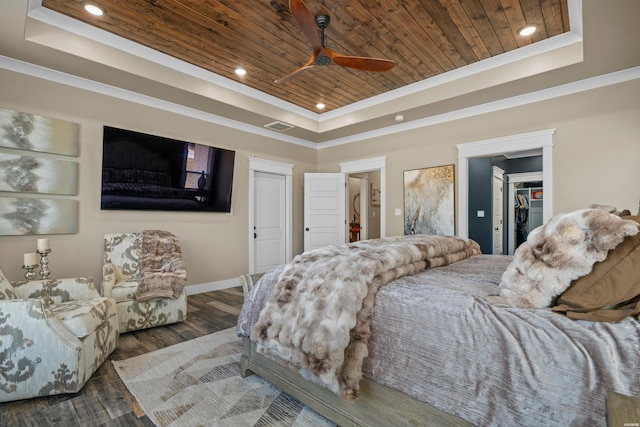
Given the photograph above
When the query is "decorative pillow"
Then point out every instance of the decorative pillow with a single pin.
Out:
(611, 291)
(6, 289)
(557, 253)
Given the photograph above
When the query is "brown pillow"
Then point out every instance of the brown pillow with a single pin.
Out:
(611, 291)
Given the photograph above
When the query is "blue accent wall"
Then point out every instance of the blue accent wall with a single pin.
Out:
(480, 197)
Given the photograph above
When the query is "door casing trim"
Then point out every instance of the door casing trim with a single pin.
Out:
(276, 168)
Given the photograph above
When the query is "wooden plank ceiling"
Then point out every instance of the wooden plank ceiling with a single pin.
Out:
(424, 38)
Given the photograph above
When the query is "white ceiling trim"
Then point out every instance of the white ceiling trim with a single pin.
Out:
(572, 37)
(67, 24)
(48, 74)
(37, 71)
(514, 56)
(503, 104)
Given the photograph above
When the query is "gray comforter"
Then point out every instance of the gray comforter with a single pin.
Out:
(436, 339)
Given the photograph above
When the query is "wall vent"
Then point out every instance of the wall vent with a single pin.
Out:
(279, 126)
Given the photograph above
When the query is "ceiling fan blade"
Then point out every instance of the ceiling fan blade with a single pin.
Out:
(307, 23)
(322, 56)
(308, 64)
(359, 62)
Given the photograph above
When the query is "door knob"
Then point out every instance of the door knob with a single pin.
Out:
(306, 229)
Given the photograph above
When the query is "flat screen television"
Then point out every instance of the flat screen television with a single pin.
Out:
(147, 172)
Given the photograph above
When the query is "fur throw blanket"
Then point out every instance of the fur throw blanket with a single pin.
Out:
(557, 253)
(163, 269)
(317, 318)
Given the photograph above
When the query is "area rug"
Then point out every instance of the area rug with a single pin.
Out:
(198, 383)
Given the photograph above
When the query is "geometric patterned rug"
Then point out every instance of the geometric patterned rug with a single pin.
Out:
(198, 383)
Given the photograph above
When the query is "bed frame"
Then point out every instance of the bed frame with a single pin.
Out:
(377, 404)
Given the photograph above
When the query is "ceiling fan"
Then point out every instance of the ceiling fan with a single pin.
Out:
(321, 55)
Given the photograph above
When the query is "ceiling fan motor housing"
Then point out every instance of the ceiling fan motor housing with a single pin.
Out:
(322, 60)
(322, 55)
(322, 21)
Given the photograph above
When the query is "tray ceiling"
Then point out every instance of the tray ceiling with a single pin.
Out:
(424, 38)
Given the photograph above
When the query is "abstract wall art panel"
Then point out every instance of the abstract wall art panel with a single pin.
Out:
(429, 201)
(27, 174)
(20, 216)
(25, 131)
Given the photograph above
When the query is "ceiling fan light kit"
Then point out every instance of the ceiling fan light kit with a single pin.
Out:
(323, 56)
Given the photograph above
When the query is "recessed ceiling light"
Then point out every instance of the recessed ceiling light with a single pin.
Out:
(93, 9)
(320, 106)
(527, 30)
(241, 71)
(399, 118)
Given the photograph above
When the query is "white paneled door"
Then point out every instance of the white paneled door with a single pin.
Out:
(324, 209)
(269, 231)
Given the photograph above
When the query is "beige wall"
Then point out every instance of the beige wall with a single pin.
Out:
(596, 154)
(596, 148)
(215, 245)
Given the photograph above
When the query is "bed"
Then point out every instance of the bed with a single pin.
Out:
(440, 354)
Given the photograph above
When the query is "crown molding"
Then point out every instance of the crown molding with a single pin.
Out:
(592, 83)
(565, 49)
(490, 107)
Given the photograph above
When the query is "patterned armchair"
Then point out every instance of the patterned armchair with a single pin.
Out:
(54, 334)
(121, 278)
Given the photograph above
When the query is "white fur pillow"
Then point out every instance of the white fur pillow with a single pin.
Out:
(6, 289)
(557, 253)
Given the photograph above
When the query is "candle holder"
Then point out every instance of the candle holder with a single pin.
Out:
(48, 284)
(30, 274)
(44, 263)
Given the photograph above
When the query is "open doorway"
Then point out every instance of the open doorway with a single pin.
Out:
(371, 176)
(526, 207)
(541, 140)
(516, 168)
(363, 196)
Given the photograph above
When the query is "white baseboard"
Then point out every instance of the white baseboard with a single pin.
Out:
(212, 286)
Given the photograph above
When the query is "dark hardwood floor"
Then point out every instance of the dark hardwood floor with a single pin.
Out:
(104, 400)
